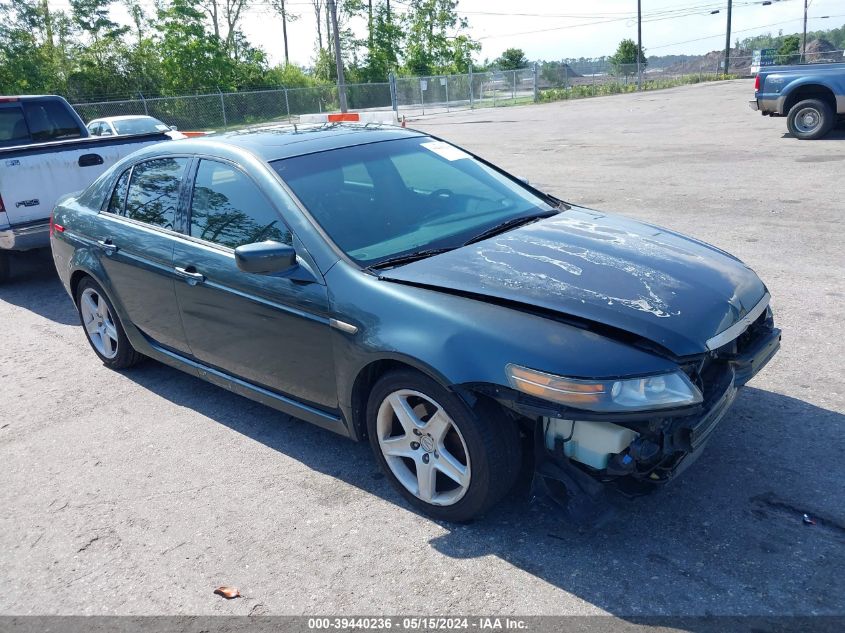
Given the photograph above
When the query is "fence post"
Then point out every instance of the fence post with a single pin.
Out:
(422, 97)
(144, 101)
(287, 103)
(471, 104)
(223, 108)
(394, 96)
(536, 87)
(446, 79)
(513, 86)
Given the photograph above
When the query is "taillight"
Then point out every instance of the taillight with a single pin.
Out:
(58, 228)
(757, 83)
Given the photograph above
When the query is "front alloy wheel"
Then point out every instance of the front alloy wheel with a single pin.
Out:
(450, 460)
(423, 448)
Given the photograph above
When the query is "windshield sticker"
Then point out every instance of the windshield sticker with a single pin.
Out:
(449, 152)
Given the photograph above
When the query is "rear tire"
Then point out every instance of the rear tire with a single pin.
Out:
(448, 460)
(810, 119)
(5, 267)
(103, 328)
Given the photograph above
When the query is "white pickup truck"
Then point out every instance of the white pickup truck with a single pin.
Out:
(45, 152)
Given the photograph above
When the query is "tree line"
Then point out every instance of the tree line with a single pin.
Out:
(185, 46)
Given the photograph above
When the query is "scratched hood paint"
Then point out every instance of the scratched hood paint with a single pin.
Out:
(667, 288)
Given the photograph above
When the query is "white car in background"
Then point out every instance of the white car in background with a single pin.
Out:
(131, 124)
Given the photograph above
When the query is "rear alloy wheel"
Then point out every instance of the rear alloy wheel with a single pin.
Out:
(103, 328)
(448, 460)
(810, 119)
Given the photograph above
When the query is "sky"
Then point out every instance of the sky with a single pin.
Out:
(557, 29)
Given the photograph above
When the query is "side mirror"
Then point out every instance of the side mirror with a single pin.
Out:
(523, 179)
(106, 133)
(265, 258)
(173, 128)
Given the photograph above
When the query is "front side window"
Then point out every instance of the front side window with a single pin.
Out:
(153, 196)
(227, 208)
(387, 199)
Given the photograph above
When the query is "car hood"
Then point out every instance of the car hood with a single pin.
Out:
(656, 284)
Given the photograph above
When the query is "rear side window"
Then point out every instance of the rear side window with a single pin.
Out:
(13, 130)
(228, 209)
(118, 195)
(153, 196)
(50, 121)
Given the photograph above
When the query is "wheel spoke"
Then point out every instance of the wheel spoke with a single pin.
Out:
(108, 345)
(448, 464)
(90, 304)
(397, 446)
(438, 425)
(407, 418)
(426, 478)
(102, 308)
(91, 325)
(111, 331)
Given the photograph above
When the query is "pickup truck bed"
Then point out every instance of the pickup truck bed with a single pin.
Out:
(46, 152)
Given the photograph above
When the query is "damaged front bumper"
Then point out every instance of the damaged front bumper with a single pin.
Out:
(634, 454)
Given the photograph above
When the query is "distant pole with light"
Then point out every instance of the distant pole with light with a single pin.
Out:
(804, 41)
(728, 39)
(639, 44)
(341, 80)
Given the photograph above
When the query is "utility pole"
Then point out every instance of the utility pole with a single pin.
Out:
(728, 39)
(341, 81)
(639, 45)
(804, 41)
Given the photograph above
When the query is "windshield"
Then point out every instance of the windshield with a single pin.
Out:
(386, 199)
(141, 125)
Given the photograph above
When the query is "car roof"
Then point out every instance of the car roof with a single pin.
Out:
(285, 141)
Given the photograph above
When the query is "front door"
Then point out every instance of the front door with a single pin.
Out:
(271, 330)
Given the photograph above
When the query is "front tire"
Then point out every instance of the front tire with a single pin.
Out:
(810, 119)
(103, 328)
(450, 461)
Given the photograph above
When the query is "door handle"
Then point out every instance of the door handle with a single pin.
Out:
(191, 276)
(89, 160)
(107, 246)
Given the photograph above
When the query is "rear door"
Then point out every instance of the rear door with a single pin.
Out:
(136, 238)
(271, 330)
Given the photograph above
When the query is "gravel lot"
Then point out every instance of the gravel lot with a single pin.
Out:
(140, 492)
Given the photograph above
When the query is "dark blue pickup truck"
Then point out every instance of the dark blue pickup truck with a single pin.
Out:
(810, 96)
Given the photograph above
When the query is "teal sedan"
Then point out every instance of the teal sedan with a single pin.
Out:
(391, 287)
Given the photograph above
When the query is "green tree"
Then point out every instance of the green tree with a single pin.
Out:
(624, 61)
(435, 37)
(788, 51)
(512, 59)
(384, 46)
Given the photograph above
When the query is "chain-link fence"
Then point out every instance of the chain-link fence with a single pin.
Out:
(413, 96)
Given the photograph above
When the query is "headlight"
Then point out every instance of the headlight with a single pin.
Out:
(629, 394)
